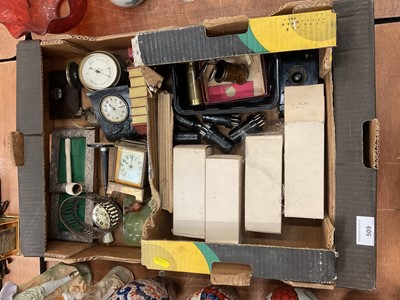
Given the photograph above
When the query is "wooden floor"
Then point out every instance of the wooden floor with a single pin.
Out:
(103, 18)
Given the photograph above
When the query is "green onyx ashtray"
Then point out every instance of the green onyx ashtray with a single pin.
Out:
(135, 215)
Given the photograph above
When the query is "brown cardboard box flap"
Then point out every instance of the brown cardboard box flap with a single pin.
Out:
(231, 274)
(102, 252)
(63, 250)
(302, 6)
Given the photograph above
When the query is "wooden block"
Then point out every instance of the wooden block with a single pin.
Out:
(137, 111)
(137, 92)
(224, 193)
(189, 189)
(138, 102)
(137, 81)
(134, 72)
(263, 183)
(139, 119)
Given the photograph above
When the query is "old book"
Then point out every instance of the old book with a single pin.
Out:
(139, 119)
(134, 71)
(136, 92)
(137, 111)
(165, 145)
(138, 102)
(137, 81)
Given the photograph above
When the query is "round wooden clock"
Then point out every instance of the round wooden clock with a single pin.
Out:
(112, 109)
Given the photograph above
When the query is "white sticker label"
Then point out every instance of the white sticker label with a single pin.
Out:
(365, 231)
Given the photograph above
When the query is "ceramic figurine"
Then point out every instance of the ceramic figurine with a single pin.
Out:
(21, 16)
(215, 293)
(157, 288)
(135, 215)
(126, 3)
(41, 291)
(287, 292)
(114, 280)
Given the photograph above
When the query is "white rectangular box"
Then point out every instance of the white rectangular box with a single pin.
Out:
(263, 183)
(189, 188)
(304, 151)
(224, 194)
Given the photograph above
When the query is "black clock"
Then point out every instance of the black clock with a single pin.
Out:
(112, 109)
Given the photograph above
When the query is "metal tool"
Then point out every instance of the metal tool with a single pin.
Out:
(213, 135)
(230, 72)
(105, 154)
(252, 124)
(186, 137)
(186, 122)
(229, 121)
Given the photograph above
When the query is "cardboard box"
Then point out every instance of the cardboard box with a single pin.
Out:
(263, 183)
(224, 199)
(300, 244)
(301, 255)
(189, 190)
(303, 30)
(304, 151)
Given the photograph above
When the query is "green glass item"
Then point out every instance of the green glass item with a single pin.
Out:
(133, 222)
(81, 210)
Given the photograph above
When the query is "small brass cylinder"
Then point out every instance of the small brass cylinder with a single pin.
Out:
(194, 89)
(229, 72)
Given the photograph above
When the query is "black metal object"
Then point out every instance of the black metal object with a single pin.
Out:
(296, 68)
(252, 124)
(252, 104)
(104, 151)
(213, 135)
(229, 121)
(186, 137)
(114, 132)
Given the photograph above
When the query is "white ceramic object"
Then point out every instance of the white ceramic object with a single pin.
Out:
(72, 188)
(126, 3)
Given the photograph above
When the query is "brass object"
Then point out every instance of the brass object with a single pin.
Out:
(194, 89)
(230, 72)
(9, 236)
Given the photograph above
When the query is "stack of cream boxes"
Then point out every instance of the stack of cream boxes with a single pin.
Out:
(209, 189)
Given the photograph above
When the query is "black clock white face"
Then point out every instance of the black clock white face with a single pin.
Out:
(114, 109)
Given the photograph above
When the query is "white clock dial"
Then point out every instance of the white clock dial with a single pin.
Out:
(131, 167)
(99, 70)
(114, 109)
(101, 218)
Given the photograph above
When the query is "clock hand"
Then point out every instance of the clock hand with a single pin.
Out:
(104, 69)
(99, 72)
